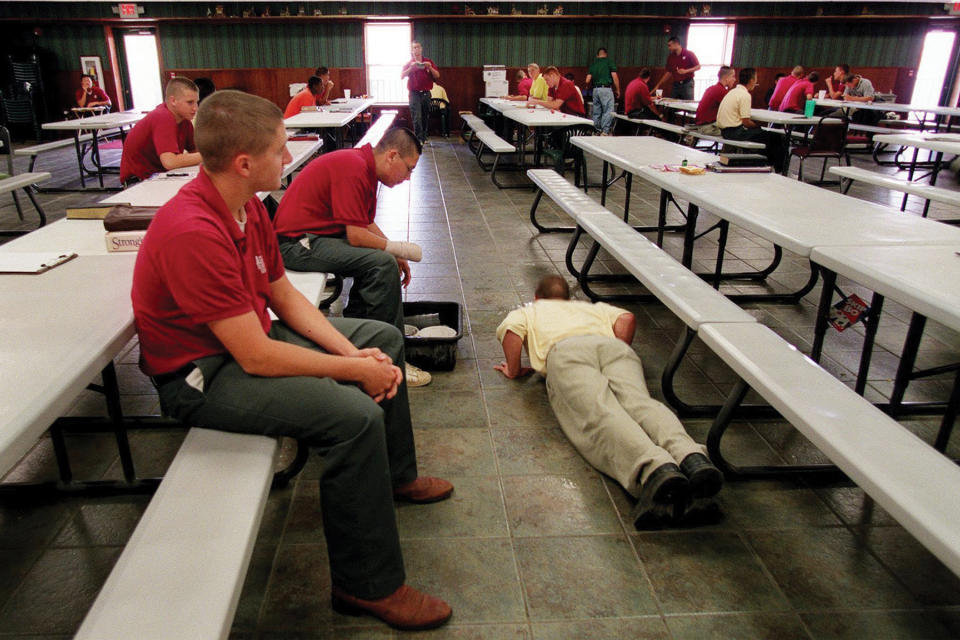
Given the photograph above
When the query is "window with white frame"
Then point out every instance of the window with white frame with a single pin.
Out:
(713, 46)
(387, 47)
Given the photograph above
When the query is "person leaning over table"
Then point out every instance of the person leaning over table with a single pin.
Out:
(602, 74)
(523, 83)
(796, 97)
(420, 73)
(326, 85)
(783, 85)
(859, 89)
(596, 389)
(637, 102)
(681, 65)
(733, 119)
(325, 223)
(563, 94)
(90, 95)
(206, 274)
(163, 140)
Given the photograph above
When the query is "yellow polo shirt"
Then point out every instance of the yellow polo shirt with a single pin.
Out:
(734, 107)
(539, 88)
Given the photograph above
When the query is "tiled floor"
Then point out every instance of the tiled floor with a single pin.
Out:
(534, 543)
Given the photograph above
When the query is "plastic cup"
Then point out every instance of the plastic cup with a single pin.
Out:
(659, 93)
(822, 94)
(346, 93)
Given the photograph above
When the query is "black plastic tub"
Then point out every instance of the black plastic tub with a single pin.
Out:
(436, 354)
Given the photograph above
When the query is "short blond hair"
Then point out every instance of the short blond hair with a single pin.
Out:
(233, 122)
(179, 84)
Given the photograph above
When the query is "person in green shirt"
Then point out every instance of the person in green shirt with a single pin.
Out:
(606, 90)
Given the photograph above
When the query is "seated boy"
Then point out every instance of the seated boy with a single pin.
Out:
(596, 388)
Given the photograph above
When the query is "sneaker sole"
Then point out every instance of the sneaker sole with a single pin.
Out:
(347, 609)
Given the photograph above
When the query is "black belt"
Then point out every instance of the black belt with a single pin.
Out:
(683, 81)
(420, 92)
(181, 373)
(601, 86)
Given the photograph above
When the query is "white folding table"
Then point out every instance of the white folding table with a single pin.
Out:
(335, 116)
(95, 124)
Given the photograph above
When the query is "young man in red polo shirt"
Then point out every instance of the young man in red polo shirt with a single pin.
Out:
(712, 97)
(797, 95)
(325, 222)
(637, 102)
(90, 95)
(681, 65)
(164, 139)
(420, 73)
(207, 273)
(783, 85)
(563, 94)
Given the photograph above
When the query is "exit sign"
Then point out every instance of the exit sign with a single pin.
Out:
(128, 10)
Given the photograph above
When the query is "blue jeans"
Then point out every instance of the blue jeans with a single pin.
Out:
(603, 108)
(420, 113)
(683, 90)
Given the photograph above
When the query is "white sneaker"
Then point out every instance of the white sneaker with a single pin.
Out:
(416, 377)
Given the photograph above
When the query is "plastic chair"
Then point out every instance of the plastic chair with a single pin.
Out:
(829, 140)
(441, 109)
(562, 153)
(6, 147)
(18, 108)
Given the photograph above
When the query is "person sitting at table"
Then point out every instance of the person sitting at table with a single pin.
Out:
(797, 95)
(733, 119)
(208, 271)
(835, 87)
(595, 384)
(310, 97)
(537, 88)
(776, 79)
(859, 89)
(636, 99)
(163, 140)
(523, 83)
(706, 118)
(327, 86)
(325, 222)
(783, 85)
(205, 87)
(90, 95)
(564, 95)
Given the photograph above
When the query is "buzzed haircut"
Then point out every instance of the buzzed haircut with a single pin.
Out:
(87, 75)
(233, 122)
(550, 70)
(402, 139)
(552, 288)
(850, 77)
(724, 72)
(179, 84)
(644, 73)
(604, 49)
(314, 81)
(746, 75)
(321, 71)
(845, 68)
(813, 76)
(797, 71)
(674, 39)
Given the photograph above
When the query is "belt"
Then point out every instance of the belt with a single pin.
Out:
(181, 373)
(601, 86)
(684, 81)
(418, 91)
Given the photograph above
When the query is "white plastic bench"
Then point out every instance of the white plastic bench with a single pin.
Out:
(473, 124)
(925, 191)
(181, 573)
(377, 129)
(490, 141)
(902, 473)
(35, 150)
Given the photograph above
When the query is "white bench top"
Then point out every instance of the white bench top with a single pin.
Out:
(494, 142)
(906, 476)
(96, 123)
(634, 152)
(942, 142)
(926, 191)
(22, 180)
(56, 144)
(474, 122)
(377, 129)
(181, 573)
(543, 117)
(659, 124)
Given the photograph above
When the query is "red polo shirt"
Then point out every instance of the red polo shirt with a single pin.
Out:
(710, 104)
(419, 79)
(796, 96)
(335, 190)
(683, 60)
(572, 102)
(637, 96)
(196, 266)
(523, 87)
(780, 90)
(158, 133)
(96, 95)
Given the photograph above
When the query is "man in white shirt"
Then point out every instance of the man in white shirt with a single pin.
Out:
(596, 388)
(733, 119)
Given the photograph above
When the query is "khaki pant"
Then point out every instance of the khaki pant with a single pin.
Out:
(596, 388)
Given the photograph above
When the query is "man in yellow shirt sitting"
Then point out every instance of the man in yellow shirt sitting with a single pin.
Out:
(596, 387)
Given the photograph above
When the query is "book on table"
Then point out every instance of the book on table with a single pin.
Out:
(742, 160)
(124, 241)
(88, 213)
(719, 168)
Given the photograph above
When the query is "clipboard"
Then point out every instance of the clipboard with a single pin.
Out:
(12, 262)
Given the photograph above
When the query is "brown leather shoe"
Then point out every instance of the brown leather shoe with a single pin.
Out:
(423, 490)
(406, 608)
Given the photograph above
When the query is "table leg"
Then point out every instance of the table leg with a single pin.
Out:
(937, 163)
(913, 168)
(690, 236)
(907, 358)
(76, 143)
(870, 334)
(823, 313)
(603, 181)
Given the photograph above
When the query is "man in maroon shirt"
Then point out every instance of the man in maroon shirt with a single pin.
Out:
(164, 139)
(90, 95)
(783, 85)
(710, 102)
(563, 94)
(207, 273)
(681, 65)
(420, 73)
(636, 100)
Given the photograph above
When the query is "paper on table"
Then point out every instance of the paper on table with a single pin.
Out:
(32, 262)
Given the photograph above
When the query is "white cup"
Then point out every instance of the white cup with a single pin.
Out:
(659, 93)
(346, 93)
(822, 94)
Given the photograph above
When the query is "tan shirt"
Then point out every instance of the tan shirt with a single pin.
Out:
(734, 107)
(544, 323)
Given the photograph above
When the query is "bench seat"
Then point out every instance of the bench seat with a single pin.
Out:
(23, 180)
(181, 573)
(905, 475)
(493, 142)
(377, 129)
(925, 191)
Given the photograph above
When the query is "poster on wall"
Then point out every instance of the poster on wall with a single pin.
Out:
(91, 67)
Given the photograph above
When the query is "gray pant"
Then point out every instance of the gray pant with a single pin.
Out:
(683, 90)
(376, 291)
(420, 113)
(596, 388)
(367, 448)
(604, 107)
